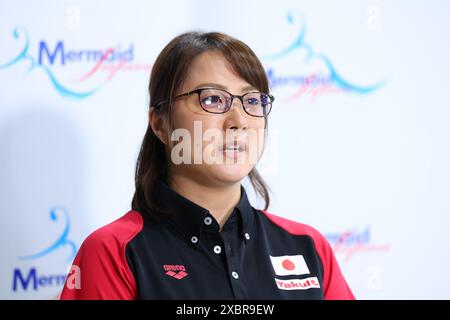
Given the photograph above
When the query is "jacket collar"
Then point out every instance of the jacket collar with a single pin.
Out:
(191, 220)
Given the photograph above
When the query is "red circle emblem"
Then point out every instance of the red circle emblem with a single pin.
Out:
(288, 264)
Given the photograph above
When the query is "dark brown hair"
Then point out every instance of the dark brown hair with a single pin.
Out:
(168, 73)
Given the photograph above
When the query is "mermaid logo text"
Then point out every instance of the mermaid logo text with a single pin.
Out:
(299, 71)
(73, 72)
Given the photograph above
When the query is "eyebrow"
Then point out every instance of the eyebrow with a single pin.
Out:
(220, 86)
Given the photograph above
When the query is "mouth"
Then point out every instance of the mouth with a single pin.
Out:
(234, 150)
(235, 146)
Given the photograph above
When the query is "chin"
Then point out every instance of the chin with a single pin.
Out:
(230, 173)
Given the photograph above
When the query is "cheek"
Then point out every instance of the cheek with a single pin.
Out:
(257, 136)
(193, 126)
(257, 123)
(181, 118)
(184, 118)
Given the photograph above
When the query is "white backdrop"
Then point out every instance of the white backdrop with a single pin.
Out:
(359, 144)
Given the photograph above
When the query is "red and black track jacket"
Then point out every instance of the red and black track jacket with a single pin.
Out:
(256, 255)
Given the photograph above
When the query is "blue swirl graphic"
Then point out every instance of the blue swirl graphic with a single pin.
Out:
(299, 43)
(62, 241)
(23, 55)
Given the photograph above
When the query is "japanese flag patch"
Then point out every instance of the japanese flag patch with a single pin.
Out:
(289, 265)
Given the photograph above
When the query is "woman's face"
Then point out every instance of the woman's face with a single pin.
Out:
(214, 149)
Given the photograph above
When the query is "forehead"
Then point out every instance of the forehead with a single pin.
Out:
(212, 67)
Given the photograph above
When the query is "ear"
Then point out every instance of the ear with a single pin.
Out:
(158, 126)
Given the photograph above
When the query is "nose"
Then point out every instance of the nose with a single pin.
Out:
(236, 117)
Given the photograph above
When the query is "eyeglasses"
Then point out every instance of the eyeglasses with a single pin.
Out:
(212, 100)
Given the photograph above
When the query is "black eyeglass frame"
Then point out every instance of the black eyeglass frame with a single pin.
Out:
(241, 98)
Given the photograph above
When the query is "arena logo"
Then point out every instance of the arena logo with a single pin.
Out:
(320, 75)
(105, 63)
(31, 279)
(352, 242)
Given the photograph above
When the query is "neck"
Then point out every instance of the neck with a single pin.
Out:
(219, 200)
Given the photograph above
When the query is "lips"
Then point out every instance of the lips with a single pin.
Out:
(234, 146)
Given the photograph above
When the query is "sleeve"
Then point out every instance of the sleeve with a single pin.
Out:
(100, 271)
(335, 286)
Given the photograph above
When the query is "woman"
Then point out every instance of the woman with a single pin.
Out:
(192, 233)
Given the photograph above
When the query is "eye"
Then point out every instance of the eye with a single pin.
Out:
(211, 100)
(253, 101)
(265, 100)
